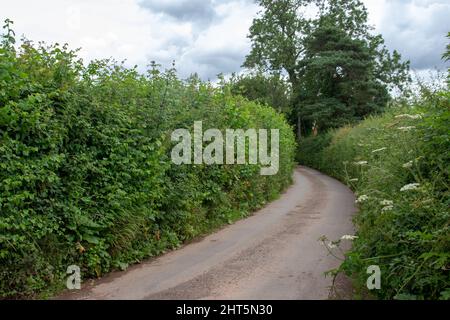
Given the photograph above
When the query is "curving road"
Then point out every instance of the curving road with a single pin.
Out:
(274, 254)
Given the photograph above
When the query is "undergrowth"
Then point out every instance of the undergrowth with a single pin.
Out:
(398, 165)
(85, 171)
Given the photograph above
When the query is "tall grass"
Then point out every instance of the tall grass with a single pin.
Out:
(398, 165)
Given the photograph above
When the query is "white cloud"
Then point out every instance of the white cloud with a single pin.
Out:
(207, 36)
(416, 28)
(223, 46)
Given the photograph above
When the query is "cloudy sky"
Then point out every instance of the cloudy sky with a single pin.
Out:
(206, 36)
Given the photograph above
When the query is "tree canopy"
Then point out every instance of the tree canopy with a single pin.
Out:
(268, 89)
(338, 70)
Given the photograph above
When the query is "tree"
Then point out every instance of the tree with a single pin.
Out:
(277, 36)
(446, 57)
(269, 89)
(338, 81)
(285, 39)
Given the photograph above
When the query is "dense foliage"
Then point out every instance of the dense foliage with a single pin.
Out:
(85, 170)
(339, 85)
(339, 72)
(398, 164)
(269, 89)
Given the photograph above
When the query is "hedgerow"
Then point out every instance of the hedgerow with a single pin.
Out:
(85, 171)
(398, 164)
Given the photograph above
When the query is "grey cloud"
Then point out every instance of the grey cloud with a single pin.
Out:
(192, 56)
(208, 64)
(417, 29)
(220, 61)
(200, 12)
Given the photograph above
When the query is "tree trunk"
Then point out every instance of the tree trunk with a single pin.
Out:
(295, 94)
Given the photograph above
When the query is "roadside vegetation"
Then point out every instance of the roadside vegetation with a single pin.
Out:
(398, 165)
(86, 176)
(394, 152)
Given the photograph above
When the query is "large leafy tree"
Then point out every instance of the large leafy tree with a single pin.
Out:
(339, 71)
(446, 57)
(269, 89)
(339, 84)
(277, 36)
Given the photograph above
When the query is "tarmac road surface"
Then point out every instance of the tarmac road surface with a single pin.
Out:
(274, 254)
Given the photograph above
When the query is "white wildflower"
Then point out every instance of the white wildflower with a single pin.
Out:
(387, 203)
(408, 165)
(379, 150)
(362, 198)
(387, 208)
(331, 245)
(348, 237)
(361, 163)
(409, 116)
(407, 128)
(411, 186)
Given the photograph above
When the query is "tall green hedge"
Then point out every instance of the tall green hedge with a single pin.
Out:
(85, 171)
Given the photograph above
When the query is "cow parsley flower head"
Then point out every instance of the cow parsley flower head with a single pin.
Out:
(361, 163)
(362, 198)
(409, 116)
(387, 208)
(411, 186)
(348, 237)
(406, 128)
(379, 150)
(331, 245)
(408, 165)
(387, 203)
